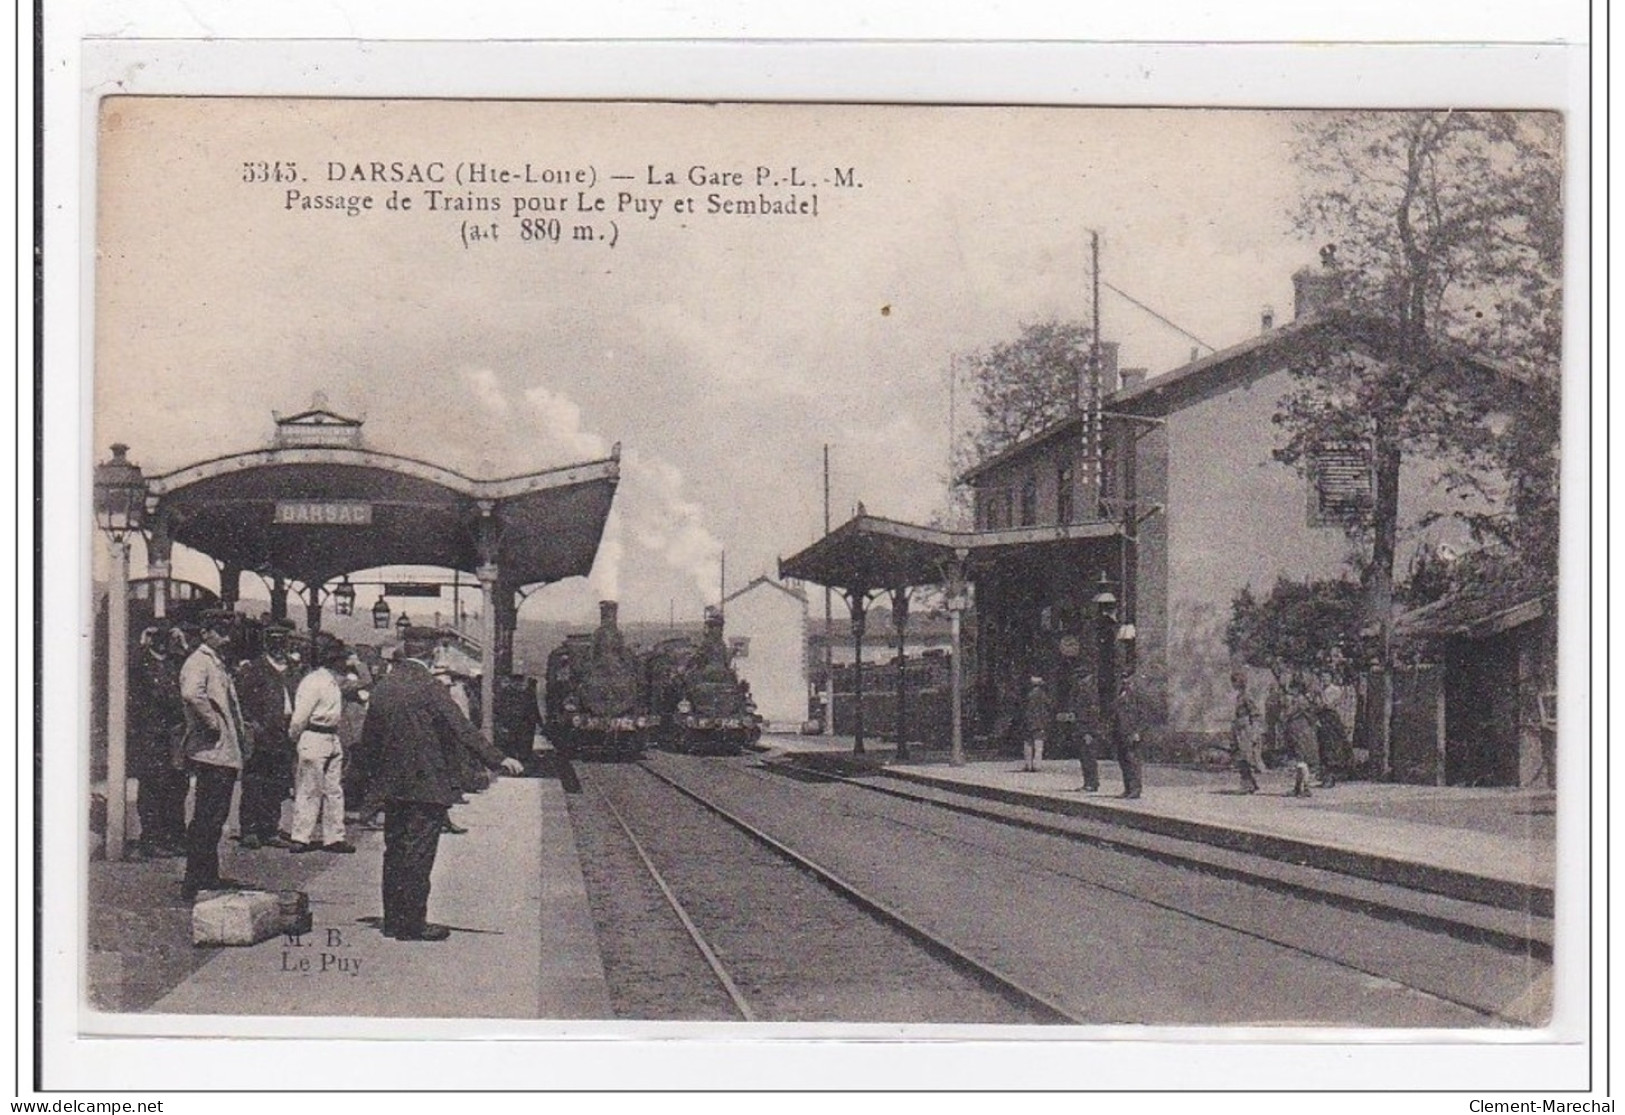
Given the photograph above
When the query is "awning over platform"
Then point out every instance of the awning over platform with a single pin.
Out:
(316, 513)
(868, 552)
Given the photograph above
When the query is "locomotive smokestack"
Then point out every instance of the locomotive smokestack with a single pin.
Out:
(608, 613)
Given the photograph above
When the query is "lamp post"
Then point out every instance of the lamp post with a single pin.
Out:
(380, 614)
(402, 624)
(1105, 602)
(344, 598)
(120, 498)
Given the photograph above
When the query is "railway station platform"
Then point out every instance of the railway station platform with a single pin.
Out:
(1481, 844)
(511, 888)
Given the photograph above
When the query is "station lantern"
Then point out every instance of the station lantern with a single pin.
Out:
(344, 598)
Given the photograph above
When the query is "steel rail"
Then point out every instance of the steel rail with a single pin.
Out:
(741, 1004)
(1489, 937)
(1371, 906)
(1012, 989)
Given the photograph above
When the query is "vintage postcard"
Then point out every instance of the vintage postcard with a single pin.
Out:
(813, 570)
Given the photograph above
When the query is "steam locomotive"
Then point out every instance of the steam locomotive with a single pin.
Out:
(595, 694)
(607, 700)
(701, 704)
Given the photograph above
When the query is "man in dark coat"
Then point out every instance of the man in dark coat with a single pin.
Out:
(1084, 723)
(157, 726)
(1128, 723)
(417, 734)
(265, 686)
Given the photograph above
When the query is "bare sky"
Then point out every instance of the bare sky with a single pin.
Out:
(721, 351)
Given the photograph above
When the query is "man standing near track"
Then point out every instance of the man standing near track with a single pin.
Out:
(1039, 713)
(418, 736)
(1128, 724)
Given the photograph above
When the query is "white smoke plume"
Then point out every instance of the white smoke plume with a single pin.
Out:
(606, 567)
(652, 512)
(666, 522)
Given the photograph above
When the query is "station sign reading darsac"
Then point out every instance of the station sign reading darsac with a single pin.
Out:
(334, 513)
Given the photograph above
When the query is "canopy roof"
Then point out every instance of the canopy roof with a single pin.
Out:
(867, 552)
(313, 513)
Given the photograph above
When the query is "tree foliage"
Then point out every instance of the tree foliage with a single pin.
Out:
(1446, 233)
(1020, 386)
(1308, 627)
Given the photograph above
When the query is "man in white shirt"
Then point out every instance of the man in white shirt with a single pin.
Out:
(318, 788)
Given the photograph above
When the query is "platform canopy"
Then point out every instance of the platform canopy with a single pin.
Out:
(867, 552)
(311, 510)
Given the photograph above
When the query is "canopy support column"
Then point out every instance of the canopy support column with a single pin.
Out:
(231, 585)
(955, 577)
(507, 620)
(899, 619)
(313, 608)
(158, 560)
(279, 597)
(857, 601)
(490, 576)
(490, 589)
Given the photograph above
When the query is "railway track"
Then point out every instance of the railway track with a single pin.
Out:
(1084, 923)
(746, 901)
(1527, 933)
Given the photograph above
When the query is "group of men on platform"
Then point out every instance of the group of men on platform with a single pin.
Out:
(197, 721)
(1084, 724)
(1301, 722)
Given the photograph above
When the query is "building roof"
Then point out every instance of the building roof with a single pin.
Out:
(1231, 367)
(315, 512)
(867, 552)
(1479, 612)
(1257, 356)
(764, 579)
(1070, 425)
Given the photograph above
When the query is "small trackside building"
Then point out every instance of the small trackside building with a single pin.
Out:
(767, 632)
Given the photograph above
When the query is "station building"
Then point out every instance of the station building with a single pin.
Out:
(1116, 538)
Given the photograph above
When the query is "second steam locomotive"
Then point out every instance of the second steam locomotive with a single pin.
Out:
(608, 700)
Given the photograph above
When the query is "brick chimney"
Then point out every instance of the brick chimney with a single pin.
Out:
(1314, 290)
(608, 613)
(1266, 319)
(1133, 377)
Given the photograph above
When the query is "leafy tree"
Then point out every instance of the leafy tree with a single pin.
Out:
(1445, 232)
(1018, 387)
(1301, 626)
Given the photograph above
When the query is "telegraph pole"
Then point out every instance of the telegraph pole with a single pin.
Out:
(829, 623)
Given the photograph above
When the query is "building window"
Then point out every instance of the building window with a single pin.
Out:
(1063, 492)
(1029, 501)
(1340, 486)
(998, 508)
(1109, 497)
